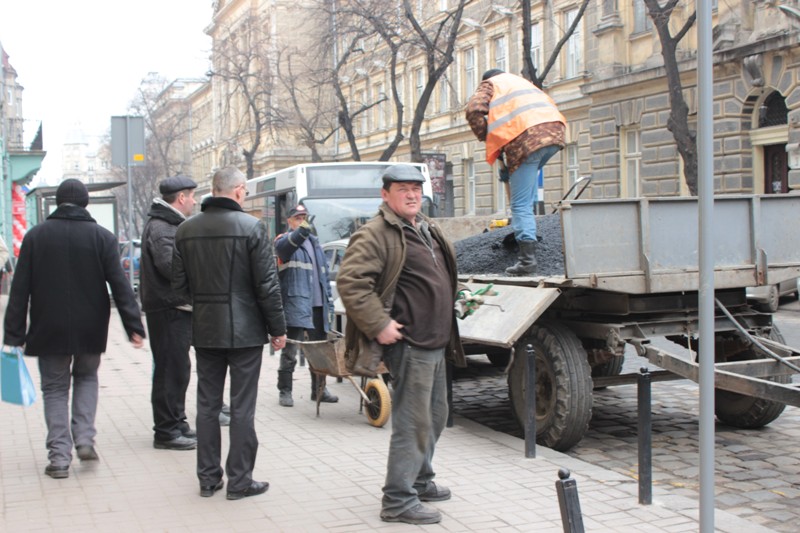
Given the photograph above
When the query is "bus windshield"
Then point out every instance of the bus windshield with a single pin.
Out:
(338, 218)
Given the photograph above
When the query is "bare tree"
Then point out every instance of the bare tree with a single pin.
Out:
(244, 64)
(167, 130)
(309, 108)
(389, 27)
(437, 43)
(350, 25)
(529, 70)
(678, 121)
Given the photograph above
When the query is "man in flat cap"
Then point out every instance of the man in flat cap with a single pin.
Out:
(306, 293)
(398, 283)
(169, 317)
(64, 265)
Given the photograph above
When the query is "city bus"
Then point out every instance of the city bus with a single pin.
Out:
(339, 197)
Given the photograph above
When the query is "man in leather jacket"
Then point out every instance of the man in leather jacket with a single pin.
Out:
(169, 317)
(223, 263)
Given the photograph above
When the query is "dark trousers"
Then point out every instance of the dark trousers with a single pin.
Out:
(289, 353)
(212, 367)
(170, 333)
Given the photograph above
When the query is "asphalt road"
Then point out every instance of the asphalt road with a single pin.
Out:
(757, 471)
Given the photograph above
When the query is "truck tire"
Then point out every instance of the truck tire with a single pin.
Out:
(499, 359)
(563, 385)
(612, 367)
(746, 412)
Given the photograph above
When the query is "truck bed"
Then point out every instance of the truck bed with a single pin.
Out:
(650, 245)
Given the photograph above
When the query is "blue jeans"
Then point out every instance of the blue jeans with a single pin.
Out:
(419, 415)
(523, 192)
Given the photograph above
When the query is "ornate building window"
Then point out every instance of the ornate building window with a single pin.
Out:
(470, 77)
(631, 162)
(574, 56)
(500, 53)
(641, 18)
(536, 45)
(469, 186)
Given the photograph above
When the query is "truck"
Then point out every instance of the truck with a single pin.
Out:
(631, 274)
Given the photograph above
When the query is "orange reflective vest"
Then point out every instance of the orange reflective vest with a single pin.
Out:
(516, 105)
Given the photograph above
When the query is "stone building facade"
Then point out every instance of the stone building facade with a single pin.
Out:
(608, 80)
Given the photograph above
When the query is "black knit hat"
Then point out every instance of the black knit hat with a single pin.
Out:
(72, 191)
(491, 73)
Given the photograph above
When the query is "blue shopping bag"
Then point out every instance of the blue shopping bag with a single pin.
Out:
(16, 384)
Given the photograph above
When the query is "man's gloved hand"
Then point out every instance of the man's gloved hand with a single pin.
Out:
(304, 228)
(467, 303)
(504, 174)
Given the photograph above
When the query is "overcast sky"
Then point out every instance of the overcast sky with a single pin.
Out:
(81, 61)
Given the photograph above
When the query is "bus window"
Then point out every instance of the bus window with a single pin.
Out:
(340, 197)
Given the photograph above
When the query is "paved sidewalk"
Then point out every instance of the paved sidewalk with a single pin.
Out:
(325, 473)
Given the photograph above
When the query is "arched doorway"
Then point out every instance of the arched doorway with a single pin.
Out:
(769, 137)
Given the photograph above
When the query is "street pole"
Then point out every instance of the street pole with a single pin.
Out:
(705, 193)
(130, 198)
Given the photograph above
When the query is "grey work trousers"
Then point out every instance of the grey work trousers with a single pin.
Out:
(212, 368)
(59, 373)
(419, 415)
(289, 353)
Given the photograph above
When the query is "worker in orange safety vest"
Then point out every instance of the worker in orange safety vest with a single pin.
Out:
(523, 129)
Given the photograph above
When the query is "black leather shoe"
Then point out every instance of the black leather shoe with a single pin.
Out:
(178, 443)
(207, 491)
(86, 453)
(56, 472)
(255, 488)
(434, 493)
(327, 397)
(189, 433)
(419, 514)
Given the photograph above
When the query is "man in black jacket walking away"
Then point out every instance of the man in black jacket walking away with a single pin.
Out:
(63, 267)
(223, 262)
(169, 317)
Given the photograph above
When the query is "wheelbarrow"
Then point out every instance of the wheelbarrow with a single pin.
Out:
(326, 358)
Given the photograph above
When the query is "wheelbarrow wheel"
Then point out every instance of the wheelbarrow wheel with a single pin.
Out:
(380, 405)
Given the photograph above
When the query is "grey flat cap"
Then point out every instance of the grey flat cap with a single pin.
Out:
(175, 184)
(402, 172)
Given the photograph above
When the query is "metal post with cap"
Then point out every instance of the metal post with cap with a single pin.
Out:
(128, 150)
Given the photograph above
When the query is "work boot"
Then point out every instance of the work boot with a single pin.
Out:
(285, 388)
(327, 397)
(526, 265)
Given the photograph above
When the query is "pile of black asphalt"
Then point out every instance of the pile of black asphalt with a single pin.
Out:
(493, 251)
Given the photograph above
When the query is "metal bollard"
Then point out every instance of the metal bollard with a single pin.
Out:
(645, 437)
(569, 503)
(530, 402)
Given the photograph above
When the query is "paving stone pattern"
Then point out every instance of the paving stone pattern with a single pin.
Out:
(757, 471)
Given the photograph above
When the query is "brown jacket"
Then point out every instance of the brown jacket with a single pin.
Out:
(367, 281)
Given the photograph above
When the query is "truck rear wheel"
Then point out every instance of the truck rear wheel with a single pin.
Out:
(747, 412)
(563, 385)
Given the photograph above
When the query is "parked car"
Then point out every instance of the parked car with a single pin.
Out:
(767, 297)
(334, 253)
(128, 253)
